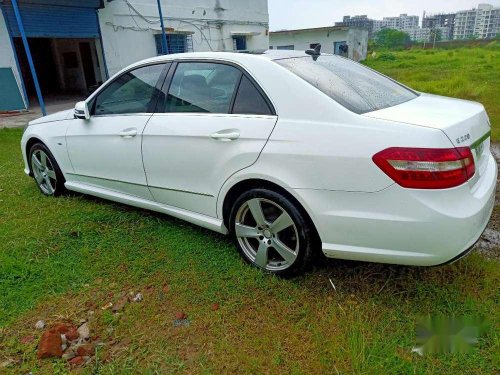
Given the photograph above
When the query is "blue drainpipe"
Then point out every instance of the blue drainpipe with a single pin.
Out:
(163, 35)
(102, 47)
(28, 55)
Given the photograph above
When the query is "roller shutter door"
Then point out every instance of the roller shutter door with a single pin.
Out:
(54, 21)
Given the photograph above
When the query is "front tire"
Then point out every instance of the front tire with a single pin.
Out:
(271, 233)
(46, 172)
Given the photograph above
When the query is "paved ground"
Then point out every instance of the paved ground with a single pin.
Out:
(21, 119)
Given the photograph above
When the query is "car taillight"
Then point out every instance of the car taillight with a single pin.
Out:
(427, 168)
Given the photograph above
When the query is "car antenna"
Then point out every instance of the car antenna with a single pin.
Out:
(316, 52)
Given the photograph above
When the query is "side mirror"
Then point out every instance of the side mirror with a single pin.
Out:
(82, 111)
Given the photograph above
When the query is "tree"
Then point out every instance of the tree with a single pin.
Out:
(391, 39)
(436, 35)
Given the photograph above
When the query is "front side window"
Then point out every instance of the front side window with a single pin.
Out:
(352, 85)
(202, 87)
(132, 92)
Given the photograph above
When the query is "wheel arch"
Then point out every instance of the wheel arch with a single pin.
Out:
(29, 143)
(251, 183)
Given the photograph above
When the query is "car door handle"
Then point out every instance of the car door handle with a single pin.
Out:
(225, 135)
(128, 133)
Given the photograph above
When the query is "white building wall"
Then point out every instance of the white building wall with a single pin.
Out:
(211, 23)
(357, 40)
(302, 39)
(7, 55)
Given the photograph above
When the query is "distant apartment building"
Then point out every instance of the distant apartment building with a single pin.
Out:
(360, 22)
(442, 21)
(402, 22)
(427, 34)
(481, 23)
(378, 25)
(418, 34)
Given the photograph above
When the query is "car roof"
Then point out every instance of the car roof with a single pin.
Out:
(242, 57)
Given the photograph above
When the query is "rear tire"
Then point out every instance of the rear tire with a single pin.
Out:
(271, 233)
(45, 170)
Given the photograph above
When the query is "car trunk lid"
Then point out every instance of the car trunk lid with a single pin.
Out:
(464, 122)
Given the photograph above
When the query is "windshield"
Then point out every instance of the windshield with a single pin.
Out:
(354, 86)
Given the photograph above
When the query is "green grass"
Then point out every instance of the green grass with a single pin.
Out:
(471, 72)
(62, 257)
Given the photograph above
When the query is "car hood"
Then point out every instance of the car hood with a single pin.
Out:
(462, 121)
(58, 116)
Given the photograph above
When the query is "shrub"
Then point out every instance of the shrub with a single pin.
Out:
(391, 39)
(386, 56)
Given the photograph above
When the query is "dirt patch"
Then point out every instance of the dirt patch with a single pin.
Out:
(489, 244)
(495, 150)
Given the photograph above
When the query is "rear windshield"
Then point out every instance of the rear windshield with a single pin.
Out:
(354, 86)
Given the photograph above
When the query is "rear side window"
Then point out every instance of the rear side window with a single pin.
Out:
(352, 85)
(249, 100)
(202, 87)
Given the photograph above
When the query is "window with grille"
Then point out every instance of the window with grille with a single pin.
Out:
(176, 43)
(239, 43)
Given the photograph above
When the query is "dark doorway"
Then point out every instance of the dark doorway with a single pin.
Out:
(88, 64)
(66, 67)
(43, 59)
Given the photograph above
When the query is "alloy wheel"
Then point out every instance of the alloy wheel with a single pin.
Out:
(267, 234)
(43, 171)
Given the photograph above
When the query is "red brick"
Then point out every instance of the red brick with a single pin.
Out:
(76, 361)
(60, 328)
(85, 350)
(180, 316)
(50, 345)
(72, 334)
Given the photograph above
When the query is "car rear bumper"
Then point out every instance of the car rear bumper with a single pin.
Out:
(403, 226)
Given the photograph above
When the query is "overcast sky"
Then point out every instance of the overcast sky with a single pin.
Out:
(292, 14)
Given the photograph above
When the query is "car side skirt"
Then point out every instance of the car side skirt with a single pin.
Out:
(191, 217)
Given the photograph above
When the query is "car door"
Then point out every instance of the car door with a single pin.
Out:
(105, 150)
(212, 121)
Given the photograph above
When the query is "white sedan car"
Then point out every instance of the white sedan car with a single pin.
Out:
(291, 153)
